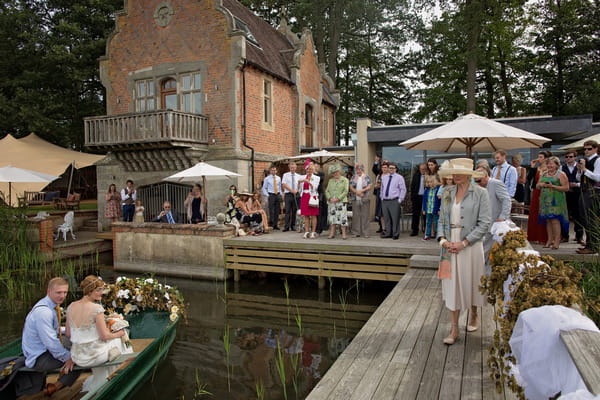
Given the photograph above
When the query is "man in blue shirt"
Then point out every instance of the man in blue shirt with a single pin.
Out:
(272, 190)
(41, 344)
(393, 191)
(505, 172)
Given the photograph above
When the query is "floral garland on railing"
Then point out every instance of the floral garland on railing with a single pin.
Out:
(130, 295)
(536, 281)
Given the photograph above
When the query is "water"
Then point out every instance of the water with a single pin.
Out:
(256, 317)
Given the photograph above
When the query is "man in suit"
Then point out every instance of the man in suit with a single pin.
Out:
(272, 190)
(500, 204)
(393, 191)
(168, 215)
(417, 188)
(570, 169)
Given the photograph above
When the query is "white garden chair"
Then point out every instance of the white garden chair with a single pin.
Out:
(66, 227)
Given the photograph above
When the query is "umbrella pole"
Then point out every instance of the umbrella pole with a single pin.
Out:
(9, 195)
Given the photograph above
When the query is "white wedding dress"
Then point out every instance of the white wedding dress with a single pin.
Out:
(88, 350)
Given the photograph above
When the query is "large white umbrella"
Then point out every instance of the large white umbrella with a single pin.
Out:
(579, 144)
(472, 132)
(200, 171)
(321, 155)
(12, 174)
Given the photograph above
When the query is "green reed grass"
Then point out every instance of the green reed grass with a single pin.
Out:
(259, 387)
(227, 346)
(200, 387)
(280, 365)
(286, 287)
(23, 269)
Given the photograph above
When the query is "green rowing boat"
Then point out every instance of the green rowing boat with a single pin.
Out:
(151, 333)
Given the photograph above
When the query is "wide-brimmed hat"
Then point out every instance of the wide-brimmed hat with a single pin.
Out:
(458, 166)
(245, 192)
(334, 168)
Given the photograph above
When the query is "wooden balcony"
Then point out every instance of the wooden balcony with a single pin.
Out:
(147, 130)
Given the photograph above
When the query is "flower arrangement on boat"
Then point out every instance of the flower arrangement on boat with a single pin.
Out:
(131, 295)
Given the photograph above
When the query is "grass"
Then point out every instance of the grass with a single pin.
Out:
(590, 286)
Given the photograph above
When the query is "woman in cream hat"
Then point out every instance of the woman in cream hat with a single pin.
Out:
(464, 220)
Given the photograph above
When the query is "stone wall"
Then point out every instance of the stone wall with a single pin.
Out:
(188, 251)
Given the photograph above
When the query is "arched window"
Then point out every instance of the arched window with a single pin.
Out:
(168, 94)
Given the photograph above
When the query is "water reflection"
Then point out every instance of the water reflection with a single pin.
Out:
(250, 340)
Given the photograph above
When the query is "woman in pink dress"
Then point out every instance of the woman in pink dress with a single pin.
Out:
(112, 208)
(309, 184)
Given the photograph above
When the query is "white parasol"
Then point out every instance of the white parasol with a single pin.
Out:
(12, 174)
(472, 132)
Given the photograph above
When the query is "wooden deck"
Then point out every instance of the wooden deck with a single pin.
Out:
(399, 354)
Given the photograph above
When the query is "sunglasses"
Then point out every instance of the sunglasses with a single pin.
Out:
(477, 180)
(569, 156)
(588, 148)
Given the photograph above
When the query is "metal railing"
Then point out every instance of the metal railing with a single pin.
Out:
(153, 196)
(146, 127)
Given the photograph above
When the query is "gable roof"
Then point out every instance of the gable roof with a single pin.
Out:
(274, 51)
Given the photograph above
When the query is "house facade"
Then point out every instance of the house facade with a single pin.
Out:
(192, 80)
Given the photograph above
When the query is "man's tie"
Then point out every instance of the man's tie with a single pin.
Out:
(59, 317)
(170, 218)
(276, 189)
(293, 182)
(387, 188)
(498, 172)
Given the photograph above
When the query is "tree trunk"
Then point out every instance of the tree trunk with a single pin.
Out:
(473, 17)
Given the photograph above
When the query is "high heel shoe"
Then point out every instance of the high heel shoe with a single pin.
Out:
(452, 338)
(547, 245)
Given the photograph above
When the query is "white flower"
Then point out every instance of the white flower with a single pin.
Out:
(174, 310)
(168, 286)
(167, 296)
(173, 317)
(123, 294)
(139, 298)
(149, 280)
(120, 278)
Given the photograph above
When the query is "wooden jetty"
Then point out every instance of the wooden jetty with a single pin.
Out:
(399, 353)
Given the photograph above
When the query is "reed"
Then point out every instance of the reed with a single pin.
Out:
(259, 387)
(200, 387)
(280, 365)
(344, 304)
(227, 346)
(286, 287)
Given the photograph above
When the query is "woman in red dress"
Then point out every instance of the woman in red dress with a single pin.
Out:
(536, 233)
(309, 185)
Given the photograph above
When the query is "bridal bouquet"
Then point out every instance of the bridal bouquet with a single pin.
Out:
(117, 322)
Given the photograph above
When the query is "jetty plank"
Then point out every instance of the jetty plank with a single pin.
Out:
(399, 352)
(584, 348)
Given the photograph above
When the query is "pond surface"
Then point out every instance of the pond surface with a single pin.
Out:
(249, 340)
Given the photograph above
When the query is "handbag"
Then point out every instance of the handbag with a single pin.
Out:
(313, 201)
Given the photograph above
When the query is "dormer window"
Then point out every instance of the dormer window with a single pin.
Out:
(241, 25)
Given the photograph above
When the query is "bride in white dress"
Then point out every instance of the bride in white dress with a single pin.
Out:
(93, 343)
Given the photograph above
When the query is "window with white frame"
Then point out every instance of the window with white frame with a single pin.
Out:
(144, 95)
(191, 92)
(267, 102)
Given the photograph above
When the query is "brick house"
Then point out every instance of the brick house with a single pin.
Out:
(190, 80)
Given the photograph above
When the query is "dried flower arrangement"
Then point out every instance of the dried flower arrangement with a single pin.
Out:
(136, 294)
(536, 281)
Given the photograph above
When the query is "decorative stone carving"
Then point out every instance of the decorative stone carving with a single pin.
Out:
(163, 14)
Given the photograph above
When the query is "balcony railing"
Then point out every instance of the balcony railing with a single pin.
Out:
(147, 129)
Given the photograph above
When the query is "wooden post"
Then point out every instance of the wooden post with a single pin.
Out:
(321, 283)
(236, 275)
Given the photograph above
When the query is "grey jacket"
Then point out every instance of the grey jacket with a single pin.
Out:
(475, 214)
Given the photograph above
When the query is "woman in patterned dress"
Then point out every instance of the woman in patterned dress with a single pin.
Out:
(337, 197)
(553, 201)
(112, 208)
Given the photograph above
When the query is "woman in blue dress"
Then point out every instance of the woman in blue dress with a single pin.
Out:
(553, 185)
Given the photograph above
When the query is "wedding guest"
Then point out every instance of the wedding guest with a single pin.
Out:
(360, 188)
(167, 215)
(553, 203)
(195, 205)
(464, 220)
(573, 195)
(230, 200)
(337, 199)
(505, 172)
(128, 197)
(417, 189)
(432, 166)
(272, 189)
(536, 232)
(589, 178)
(393, 191)
(519, 196)
(309, 184)
(290, 189)
(139, 212)
(112, 208)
